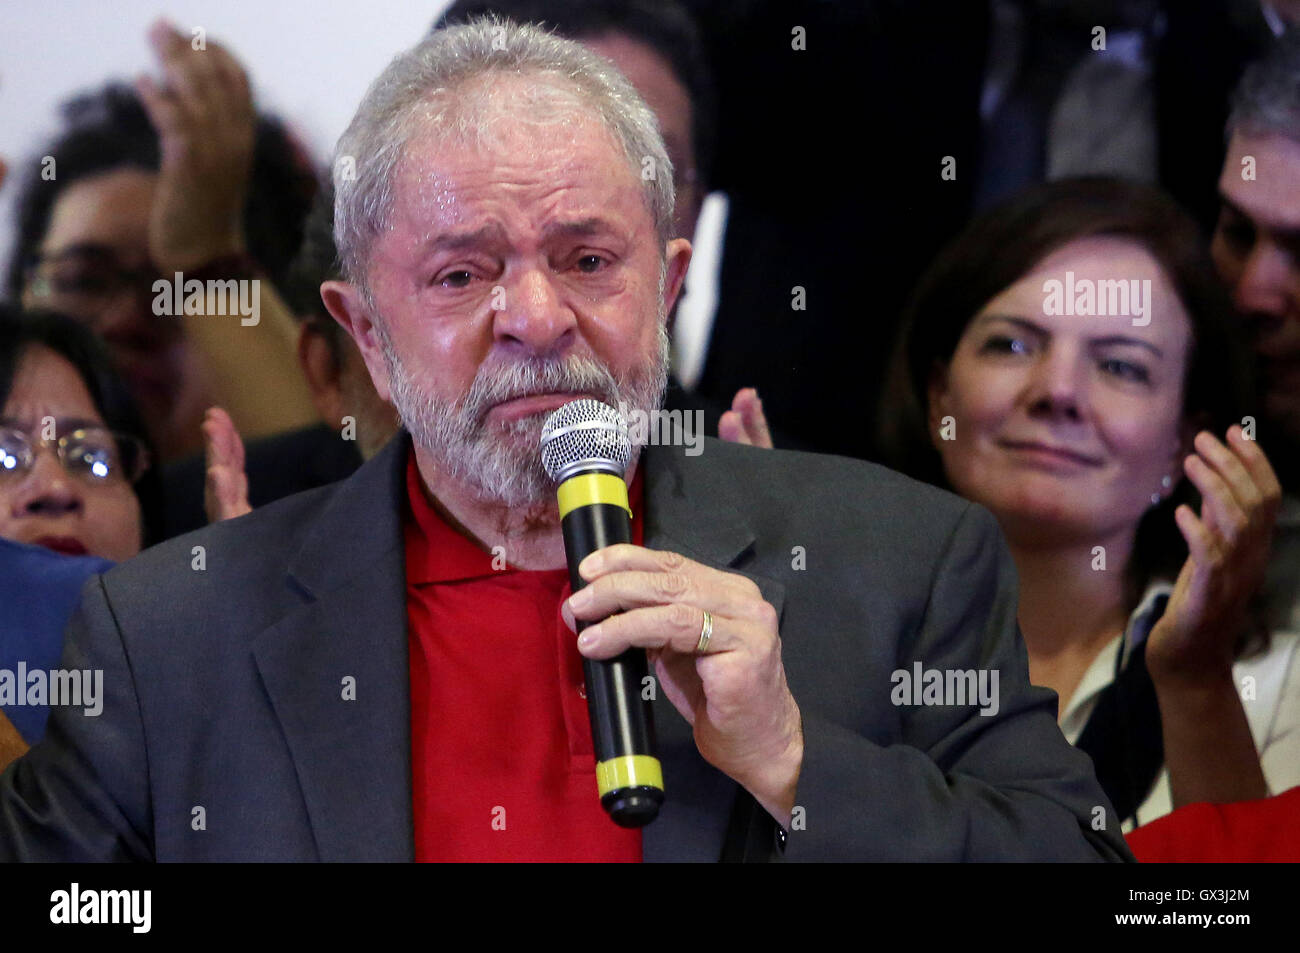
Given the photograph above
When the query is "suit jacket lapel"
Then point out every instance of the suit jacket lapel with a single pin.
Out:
(337, 672)
(686, 513)
(353, 757)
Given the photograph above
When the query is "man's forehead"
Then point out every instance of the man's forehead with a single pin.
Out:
(511, 138)
(1259, 176)
(568, 170)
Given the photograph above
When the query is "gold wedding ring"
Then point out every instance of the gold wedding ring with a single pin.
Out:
(706, 633)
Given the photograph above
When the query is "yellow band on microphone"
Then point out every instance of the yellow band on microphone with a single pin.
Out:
(588, 488)
(628, 771)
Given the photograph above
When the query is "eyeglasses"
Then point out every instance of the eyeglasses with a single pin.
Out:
(96, 455)
(84, 278)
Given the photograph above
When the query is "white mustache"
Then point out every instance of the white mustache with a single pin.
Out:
(502, 463)
(497, 384)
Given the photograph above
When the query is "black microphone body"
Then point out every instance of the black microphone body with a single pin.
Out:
(585, 449)
(622, 725)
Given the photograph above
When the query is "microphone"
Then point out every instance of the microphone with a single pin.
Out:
(586, 451)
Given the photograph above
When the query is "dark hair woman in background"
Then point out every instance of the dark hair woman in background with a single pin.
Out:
(77, 478)
(77, 474)
(1093, 436)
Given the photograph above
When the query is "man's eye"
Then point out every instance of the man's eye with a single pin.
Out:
(590, 263)
(1237, 232)
(79, 282)
(456, 279)
(1240, 235)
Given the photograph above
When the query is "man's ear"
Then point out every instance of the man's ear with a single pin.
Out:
(677, 258)
(320, 369)
(343, 300)
(936, 401)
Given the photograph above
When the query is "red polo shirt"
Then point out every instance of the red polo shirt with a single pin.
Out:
(501, 756)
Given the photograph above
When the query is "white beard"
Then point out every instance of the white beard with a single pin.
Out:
(502, 463)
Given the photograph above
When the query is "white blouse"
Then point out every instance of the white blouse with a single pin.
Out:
(1268, 682)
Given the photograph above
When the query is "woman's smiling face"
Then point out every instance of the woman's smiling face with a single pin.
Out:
(1066, 424)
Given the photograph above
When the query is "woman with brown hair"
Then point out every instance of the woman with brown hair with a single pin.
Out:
(1070, 363)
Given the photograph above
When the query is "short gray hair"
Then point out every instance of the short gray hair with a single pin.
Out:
(1267, 99)
(449, 74)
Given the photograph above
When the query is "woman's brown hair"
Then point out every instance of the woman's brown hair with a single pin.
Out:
(1005, 243)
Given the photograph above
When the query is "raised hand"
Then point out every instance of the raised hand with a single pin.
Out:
(745, 422)
(225, 485)
(1228, 547)
(203, 113)
(1209, 751)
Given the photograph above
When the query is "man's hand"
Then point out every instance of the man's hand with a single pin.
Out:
(735, 696)
(745, 422)
(203, 113)
(225, 485)
(1228, 549)
(12, 745)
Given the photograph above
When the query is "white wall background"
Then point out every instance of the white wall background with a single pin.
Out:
(310, 61)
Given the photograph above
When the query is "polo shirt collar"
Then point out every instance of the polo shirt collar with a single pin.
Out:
(437, 552)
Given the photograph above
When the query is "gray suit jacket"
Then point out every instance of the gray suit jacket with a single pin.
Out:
(224, 734)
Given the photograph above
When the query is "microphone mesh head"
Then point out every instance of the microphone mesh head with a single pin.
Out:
(585, 435)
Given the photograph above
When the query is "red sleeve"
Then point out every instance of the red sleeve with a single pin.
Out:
(1265, 831)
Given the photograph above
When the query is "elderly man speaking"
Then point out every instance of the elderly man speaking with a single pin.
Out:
(387, 668)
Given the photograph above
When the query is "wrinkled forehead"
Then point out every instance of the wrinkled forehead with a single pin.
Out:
(450, 171)
(496, 115)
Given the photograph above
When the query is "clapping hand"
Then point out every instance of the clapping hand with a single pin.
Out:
(745, 422)
(1228, 549)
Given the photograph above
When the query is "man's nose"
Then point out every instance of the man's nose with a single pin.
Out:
(48, 490)
(1266, 281)
(531, 315)
(125, 315)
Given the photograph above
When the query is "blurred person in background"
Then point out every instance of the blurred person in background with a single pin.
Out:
(232, 478)
(77, 480)
(968, 102)
(1256, 248)
(331, 364)
(77, 472)
(38, 589)
(1136, 89)
(1256, 244)
(178, 175)
(1092, 437)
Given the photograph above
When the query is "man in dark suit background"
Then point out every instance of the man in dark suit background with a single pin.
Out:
(288, 685)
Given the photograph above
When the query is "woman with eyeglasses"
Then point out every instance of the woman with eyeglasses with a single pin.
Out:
(76, 473)
(79, 489)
